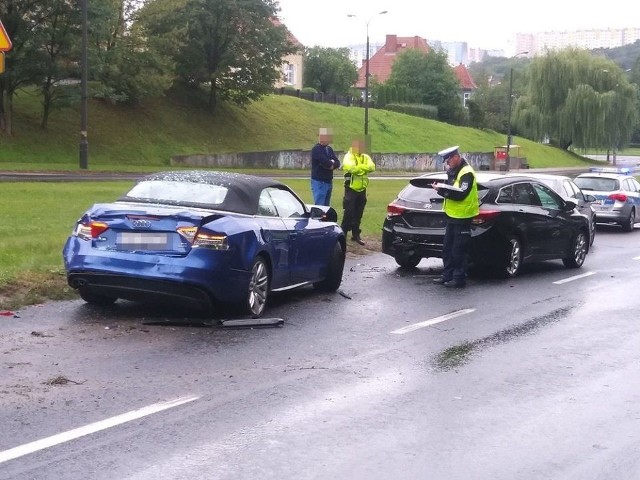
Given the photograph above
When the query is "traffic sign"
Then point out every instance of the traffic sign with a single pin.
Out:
(5, 41)
(1, 62)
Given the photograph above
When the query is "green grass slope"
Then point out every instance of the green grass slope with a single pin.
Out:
(144, 137)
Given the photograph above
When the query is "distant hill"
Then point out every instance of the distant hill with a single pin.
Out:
(145, 137)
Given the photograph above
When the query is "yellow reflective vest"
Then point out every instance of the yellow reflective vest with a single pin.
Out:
(467, 207)
(356, 168)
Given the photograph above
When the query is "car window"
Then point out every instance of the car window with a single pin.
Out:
(419, 194)
(629, 185)
(567, 189)
(523, 194)
(598, 184)
(546, 197)
(577, 193)
(164, 191)
(265, 204)
(505, 195)
(287, 205)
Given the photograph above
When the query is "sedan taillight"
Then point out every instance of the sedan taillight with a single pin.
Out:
(485, 216)
(90, 230)
(205, 239)
(618, 197)
(395, 210)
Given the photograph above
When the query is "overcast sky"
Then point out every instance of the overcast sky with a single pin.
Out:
(489, 24)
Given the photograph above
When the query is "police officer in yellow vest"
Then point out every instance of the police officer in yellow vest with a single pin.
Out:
(356, 165)
(460, 206)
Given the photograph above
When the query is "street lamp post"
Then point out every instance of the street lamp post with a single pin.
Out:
(366, 76)
(84, 142)
(508, 158)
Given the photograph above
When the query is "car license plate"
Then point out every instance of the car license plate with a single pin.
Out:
(142, 241)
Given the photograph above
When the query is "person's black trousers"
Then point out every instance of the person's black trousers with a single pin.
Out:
(455, 251)
(353, 204)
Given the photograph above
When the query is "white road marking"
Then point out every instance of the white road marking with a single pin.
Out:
(433, 321)
(43, 443)
(576, 277)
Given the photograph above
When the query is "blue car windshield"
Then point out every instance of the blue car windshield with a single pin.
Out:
(163, 191)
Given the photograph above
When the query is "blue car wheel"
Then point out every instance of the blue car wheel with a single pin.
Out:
(258, 291)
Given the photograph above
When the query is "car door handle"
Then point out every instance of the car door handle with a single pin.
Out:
(293, 235)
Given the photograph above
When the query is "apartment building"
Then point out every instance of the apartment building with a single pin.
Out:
(539, 43)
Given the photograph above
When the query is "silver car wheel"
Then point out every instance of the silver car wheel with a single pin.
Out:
(579, 252)
(515, 257)
(258, 288)
(630, 222)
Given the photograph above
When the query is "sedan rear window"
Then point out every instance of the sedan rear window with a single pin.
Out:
(162, 191)
(598, 184)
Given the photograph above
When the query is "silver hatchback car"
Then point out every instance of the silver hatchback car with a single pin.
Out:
(617, 195)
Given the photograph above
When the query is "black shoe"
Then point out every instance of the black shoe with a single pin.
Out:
(358, 240)
(455, 284)
(439, 281)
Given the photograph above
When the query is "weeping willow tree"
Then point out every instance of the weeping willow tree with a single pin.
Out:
(577, 99)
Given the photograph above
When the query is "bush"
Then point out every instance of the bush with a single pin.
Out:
(309, 90)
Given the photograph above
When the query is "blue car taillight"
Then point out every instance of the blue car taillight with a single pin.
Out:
(204, 239)
(90, 230)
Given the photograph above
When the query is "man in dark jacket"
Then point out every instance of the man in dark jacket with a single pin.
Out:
(323, 162)
(460, 206)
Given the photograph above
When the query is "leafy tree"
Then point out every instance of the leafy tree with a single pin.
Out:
(579, 100)
(128, 64)
(329, 70)
(21, 19)
(57, 36)
(429, 78)
(230, 47)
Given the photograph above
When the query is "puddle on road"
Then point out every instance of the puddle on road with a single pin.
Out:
(459, 355)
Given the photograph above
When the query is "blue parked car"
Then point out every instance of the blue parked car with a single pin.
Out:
(203, 238)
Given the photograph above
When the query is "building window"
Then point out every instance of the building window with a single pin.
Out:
(466, 98)
(289, 74)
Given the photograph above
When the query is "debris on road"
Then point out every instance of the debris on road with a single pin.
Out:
(253, 322)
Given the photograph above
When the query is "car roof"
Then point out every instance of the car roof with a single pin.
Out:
(243, 190)
(481, 177)
(541, 176)
(608, 172)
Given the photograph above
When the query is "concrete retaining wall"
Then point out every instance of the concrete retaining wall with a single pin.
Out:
(300, 159)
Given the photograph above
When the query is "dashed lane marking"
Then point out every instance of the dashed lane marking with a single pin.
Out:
(41, 444)
(576, 277)
(433, 321)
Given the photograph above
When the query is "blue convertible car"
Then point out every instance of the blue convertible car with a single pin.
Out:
(204, 238)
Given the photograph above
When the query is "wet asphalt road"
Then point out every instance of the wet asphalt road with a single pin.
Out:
(530, 378)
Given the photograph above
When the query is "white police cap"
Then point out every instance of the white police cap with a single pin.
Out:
(449, 152)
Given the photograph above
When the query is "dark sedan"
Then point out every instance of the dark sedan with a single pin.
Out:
(521, 220)
(203, 238)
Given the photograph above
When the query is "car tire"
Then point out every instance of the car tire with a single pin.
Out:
(407, 261)
(95, 298)
(332, 281)
(627, 226)
(513, 262)
(592, 231)
(258, 288)
(579, 251)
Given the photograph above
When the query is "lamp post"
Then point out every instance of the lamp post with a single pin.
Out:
(366, 77)
(508, 159)
(84, 142)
